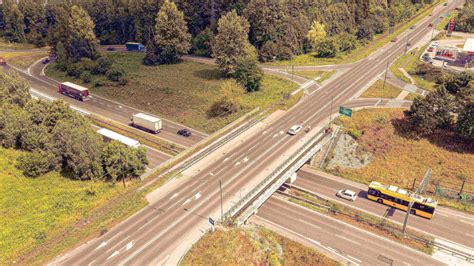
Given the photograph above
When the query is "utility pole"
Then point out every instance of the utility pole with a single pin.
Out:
(385, 77)
(420, 189)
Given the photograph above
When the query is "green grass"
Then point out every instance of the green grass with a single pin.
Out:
(38, 210)
(23, 59)
(4, 45)
(361, 51)
(399, 158)
(411, 96)
(182, 92)
(252, 245)
(408, 62)
(376, 91)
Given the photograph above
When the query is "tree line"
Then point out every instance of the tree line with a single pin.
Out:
(465, 17)
(58, 138)
(277, 29)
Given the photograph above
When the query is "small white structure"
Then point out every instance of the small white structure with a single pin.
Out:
(110, 135)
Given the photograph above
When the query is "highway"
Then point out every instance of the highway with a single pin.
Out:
(355, 245)
(108, 108)
(448, 224)
(154, 233)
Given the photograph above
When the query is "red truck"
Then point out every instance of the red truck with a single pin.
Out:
(74, 91)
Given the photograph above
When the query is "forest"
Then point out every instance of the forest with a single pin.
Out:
(277, 29)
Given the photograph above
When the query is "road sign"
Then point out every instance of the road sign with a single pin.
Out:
(345, 111)
(211, 221)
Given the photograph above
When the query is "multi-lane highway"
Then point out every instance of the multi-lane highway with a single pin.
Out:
(448, 224)
(354, 245)
(157, 231)
(107, 108)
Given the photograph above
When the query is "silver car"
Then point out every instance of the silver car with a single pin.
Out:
(347, 194)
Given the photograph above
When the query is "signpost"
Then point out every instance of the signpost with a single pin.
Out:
(345, 111)
(212, 222)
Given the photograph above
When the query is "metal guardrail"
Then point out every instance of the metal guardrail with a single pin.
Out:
(273, 175)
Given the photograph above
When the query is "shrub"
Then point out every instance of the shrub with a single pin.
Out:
(75, 70)
(202, 43)
(86, 76)
(98, 83)
(88, 64)
(223, 107)
(103, 65)
(248, 74)
(123, 81)
(115, 74)
(35, 164)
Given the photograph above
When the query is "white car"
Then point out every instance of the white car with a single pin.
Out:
(295, 129)
(434, 43)
(347, 194)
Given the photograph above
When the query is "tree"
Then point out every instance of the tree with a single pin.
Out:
(231, 42)
(34, 18)
(202, 43)
(229, 101)
(14, 123)
(120, 161)
(152, 54)
(316, 33)
(327, 47)
(248, 74)
(13, 21)
(432, 112)
(34, 164)
(14, 89)
(82, 40)
(171, 33)
(465, 123)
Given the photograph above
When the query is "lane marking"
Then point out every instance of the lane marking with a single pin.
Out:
(211, 174)
(198, 195)
(237, 163)
(101, 245)
(308, 223)
(356, 259)
(470, 235)
(350, 240)
(129, 245)
(466, 222)
(246, 159)
(187, 201)
(174, 196)
(274, 136)
(226, 159)
(440, 214)
(113, 255)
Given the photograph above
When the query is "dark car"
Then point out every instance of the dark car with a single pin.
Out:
(413, 27)
(110, 48)
(45, 61)
(184, 132)
(394, 40)
(2, 62)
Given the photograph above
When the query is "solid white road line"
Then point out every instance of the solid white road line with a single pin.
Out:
(308, 223)
(349, 240)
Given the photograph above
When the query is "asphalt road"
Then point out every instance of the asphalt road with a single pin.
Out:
(448, 224)
(354, 244)
(108, 108)
(155, 232)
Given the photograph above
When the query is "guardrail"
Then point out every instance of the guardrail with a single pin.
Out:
(469, 257)
(302, 153)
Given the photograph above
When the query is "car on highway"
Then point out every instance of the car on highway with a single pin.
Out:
(347, 194)
(430, 25)
(394, 40)
(412, 27)
(184, 132)
(295, 129)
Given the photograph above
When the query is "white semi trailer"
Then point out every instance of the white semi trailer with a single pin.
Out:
(147, 123)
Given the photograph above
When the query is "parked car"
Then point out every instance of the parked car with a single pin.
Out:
(184, 132)
(430, 25)
(445, 4)
(431, 49)
(394, 40)
(434, 44)
(2, 62)
(110, 48)
(347, 194)
(45, 61)
(295, 129)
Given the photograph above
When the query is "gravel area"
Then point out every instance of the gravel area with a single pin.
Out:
(348, 154)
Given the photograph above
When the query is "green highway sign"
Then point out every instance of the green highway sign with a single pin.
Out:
(345, 111)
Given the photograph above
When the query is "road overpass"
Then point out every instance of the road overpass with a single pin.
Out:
(162, 231)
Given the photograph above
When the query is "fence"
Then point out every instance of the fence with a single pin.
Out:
(462, 191)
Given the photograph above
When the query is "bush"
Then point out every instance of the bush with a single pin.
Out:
(202, 43)
(98, 83)
(115, 74)
(35, 164)
(327, 48)
(86, 76)
(103, 65)
(248, 74)
(273, 50)
(222, 108)
(75, 70)
(88, 64)
(123, 81)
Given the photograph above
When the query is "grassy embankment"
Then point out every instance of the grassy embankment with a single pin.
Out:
(182, 92)
(399, 158)
(408, 62)
(251, 246)
(361, 51)
(42, 216)
(22, 59)
(377, 90)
